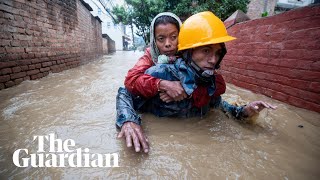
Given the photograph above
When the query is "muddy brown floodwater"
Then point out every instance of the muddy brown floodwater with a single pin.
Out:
(79, 104)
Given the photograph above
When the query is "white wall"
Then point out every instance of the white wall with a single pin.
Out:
(296, 2)
(115, 32)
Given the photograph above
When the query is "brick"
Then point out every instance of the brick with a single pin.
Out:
(306, 75)
(9, 84)
(2, 50)
(5, 42)
(45, 69)
(276, 95)
(40, 75)
(5, 35)
(38, 66)
(311, 54)
(24, 68)
(15, 49)
(18, 81)
(45, 73)
(45, 64)
(292, 54)
(304, 34)
(8, 28)
(7, 2)
(28, 32)
(303, 104)
(5, 71)
(33, 72)
(2, 86)
(32, 66)
(315, 87)
(11, 57)
(18, 75)
(33, 77)
(7, 64)
(293, 44)
(22, 37)
(8, 16)
(4, 78)
(305, 23)
(6, 8)
(294, 63)
(16, 69)
(26, 78)
(277, 37)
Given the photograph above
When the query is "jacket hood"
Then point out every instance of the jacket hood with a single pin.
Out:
(153, 46)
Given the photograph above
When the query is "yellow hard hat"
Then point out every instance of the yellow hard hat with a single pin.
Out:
(202, 29)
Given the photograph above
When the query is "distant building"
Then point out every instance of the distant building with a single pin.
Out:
(257, 7)
(291, 4)
(116, 32)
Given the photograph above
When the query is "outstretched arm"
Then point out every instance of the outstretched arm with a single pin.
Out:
(255, 107)
(240, 112)
(129, 122)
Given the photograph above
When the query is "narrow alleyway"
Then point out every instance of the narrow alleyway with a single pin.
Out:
(79, 104)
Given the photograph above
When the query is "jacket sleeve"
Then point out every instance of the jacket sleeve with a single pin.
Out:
(141, 84)
(236, 111)
(125, 108)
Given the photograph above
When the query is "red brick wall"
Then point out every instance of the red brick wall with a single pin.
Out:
(42, 36)
(278, 56)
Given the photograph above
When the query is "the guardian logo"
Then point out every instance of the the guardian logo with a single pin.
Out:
(62, 154)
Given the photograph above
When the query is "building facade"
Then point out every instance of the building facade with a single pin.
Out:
(117, 32)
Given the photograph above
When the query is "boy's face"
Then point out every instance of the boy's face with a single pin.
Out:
(206, 57)
(166, 36)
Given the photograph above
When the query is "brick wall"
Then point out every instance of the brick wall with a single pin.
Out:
(278, 56)
(111, 44)
(42, 36)
(105, 45)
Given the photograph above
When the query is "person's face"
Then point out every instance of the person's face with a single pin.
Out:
(206, 57)
(166, 36)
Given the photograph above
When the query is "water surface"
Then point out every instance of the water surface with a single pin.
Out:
(79, 104)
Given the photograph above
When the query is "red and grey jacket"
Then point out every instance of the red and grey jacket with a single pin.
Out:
(141, 84)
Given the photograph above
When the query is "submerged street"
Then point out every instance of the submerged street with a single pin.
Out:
(79, 104)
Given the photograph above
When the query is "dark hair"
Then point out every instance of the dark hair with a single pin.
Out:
(166, 20)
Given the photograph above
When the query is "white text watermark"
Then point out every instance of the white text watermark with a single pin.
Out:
(62, 154)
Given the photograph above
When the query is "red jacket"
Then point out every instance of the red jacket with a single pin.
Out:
(145, 85)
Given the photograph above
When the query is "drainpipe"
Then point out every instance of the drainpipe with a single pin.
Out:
(265, 5)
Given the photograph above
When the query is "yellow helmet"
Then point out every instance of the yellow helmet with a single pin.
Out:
(202, 29)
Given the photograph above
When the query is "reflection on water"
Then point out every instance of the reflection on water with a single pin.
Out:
(79, 104)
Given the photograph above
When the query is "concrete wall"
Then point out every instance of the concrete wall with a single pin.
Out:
(278, 56)
(42, 36)
(257, 7)
(105, 46)
(109, 43)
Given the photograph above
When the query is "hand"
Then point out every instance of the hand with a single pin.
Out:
(255, 107)
(173, 89)
(133, 133)
(165, 97)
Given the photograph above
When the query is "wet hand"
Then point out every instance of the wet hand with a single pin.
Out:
(134, 133)
(165, 97)
(255, 107)
(173, 89)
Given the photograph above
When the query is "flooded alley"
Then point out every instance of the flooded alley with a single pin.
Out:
(79, 104)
